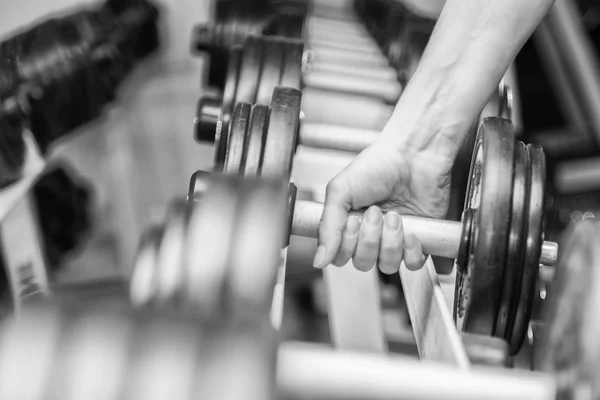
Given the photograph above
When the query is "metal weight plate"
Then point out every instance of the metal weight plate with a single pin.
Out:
(568, 344)
(210, 234)
(291, 74)
(169, 274)
(92, 341)
(270, 75)
(228, 102)
(489, 193)
(255, 255)
(237, 139)
(514, 251)
(533, 238)
(257, 132)
(250, 70)
(163, 361)
(282, 133)
(143, 283)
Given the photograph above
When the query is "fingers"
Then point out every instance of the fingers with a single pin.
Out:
(349, 240)
(413, 253)
(392, 241)
(369, 239)
(333, 221)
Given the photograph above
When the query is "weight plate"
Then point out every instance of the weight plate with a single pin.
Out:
(291, 74)
(282, 132)
(271, 70)
(568, 345)
(169, 274)
(142, 286)
(489, 193)
(210, 235)
(533, 237)
(257, 132)
(238, 130)
(255, 254)
(249, 71)
(228, 102)
(514, 252)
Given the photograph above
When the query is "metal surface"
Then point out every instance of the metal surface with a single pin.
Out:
(282, 132)
(344, 138)
(313, 372)
(387, 90)
(435, 333)
(257, 132)
(272, 66)
(237, 139)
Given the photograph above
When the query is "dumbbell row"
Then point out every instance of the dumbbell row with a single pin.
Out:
(56, 352)
(477, 305)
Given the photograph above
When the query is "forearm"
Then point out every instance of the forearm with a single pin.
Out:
(471, 48)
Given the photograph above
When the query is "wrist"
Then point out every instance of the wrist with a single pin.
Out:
(425, 121)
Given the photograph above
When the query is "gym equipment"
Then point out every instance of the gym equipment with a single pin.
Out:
(503, 210)
(569, 321)
(255, 68)
(65, 351)
(121, 354)
(60, 73)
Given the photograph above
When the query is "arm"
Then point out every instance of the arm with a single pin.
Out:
(472, 45)
(407, 170)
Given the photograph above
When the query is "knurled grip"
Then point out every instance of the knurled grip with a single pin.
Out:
(438, 237)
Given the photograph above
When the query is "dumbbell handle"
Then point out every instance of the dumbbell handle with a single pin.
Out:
(438, 237)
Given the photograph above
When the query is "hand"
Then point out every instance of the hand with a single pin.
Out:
(386, 177)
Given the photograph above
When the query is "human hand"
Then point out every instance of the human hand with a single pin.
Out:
(390, 178)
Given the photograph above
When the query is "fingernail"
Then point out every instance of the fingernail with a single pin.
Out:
(410, 241)
(319, 257)
(352, 225)
(391, 222)
(373, 216)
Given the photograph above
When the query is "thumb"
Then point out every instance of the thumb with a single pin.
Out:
(335, 212)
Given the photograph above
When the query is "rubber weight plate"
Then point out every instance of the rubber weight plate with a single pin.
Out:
(489, 194)
(271, 70)
(228, 102)
(282, 133)
(237, 139)
(514, 251)
(257, 133)
(534, 235)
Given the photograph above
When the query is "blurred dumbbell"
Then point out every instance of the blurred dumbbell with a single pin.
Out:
(61, 72)
(67, 350)
(264, 63)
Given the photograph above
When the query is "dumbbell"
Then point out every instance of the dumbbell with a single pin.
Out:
(498, 245)
(247, 82)
(64, 350)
